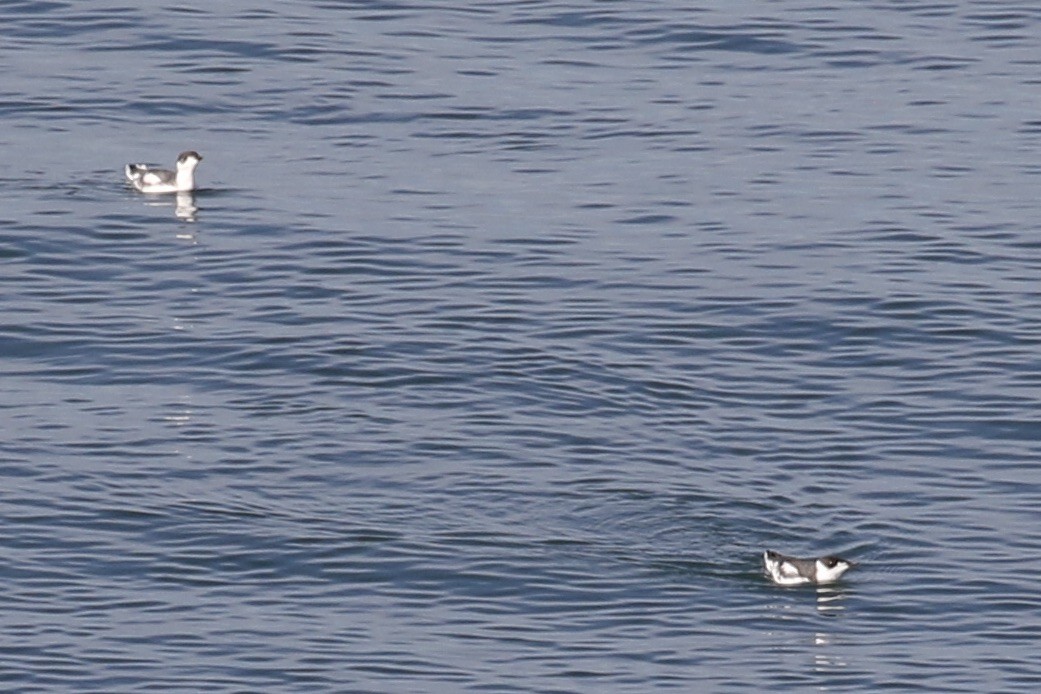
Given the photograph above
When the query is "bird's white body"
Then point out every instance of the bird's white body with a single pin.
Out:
(149, 180)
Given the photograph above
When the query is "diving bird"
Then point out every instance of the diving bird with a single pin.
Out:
(792, 571)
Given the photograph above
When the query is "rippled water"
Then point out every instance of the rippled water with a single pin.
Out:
(502, 337)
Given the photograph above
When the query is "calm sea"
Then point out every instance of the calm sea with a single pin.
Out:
(503, 336)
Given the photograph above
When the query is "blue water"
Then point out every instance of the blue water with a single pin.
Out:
(502, 337)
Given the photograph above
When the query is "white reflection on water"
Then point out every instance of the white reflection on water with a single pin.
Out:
(184, 205)
(829, 600)
(829, 604)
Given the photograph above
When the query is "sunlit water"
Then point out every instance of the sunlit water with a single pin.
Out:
(502, 338)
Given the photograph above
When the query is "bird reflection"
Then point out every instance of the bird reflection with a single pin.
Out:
(829, 599)
(184, 205)
(829, 603)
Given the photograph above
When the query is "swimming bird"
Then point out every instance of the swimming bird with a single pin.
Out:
(149, 180)
(792, 571)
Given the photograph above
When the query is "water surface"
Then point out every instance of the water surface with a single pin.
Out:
(503, 337)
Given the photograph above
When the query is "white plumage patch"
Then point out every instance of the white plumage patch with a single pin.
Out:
(783, 572)
(150, 181)
(830, 574)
